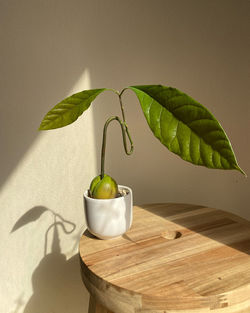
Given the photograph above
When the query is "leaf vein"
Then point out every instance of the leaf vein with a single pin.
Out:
(160, 122)
(175, 135)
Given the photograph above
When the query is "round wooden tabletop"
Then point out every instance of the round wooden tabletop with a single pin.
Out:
(175, 258)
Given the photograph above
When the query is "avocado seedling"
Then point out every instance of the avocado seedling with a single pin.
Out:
(181, 124)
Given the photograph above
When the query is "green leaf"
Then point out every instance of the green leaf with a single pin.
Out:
(69, 109)
(186, 127)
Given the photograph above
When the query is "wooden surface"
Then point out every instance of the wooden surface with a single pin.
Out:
(176, 258)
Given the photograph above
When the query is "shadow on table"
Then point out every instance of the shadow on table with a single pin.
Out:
(57, 285)
(223, 229)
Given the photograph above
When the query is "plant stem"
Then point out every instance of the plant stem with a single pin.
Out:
(124, 132)
(125, 125)
(124, 129)
(122, 108)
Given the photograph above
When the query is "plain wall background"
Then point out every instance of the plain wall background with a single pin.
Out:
(50, 49)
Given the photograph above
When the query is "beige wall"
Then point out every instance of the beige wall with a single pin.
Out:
(51, 48)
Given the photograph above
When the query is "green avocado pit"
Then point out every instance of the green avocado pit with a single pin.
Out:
(103, 188)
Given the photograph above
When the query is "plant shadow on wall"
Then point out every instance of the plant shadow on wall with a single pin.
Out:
(57, 286)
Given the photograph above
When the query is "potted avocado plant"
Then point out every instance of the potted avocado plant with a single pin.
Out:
(181, 124)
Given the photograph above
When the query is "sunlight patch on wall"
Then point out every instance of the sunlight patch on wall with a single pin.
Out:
(60, 152)
(52, 174)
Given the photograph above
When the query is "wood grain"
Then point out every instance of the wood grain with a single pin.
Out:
(176, 258)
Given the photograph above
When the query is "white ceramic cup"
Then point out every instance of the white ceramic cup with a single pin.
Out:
(109, 218)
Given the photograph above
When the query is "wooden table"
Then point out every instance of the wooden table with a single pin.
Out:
(176, 258)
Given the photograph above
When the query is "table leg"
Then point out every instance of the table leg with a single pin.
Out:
(95, 307)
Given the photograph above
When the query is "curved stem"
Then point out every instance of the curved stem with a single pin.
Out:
(122, 108)
(124, 122)
(124, 129)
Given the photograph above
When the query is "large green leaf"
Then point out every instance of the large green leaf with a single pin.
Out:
(186, 127)
(69, 109)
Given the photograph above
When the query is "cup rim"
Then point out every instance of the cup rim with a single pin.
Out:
(85, 194)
